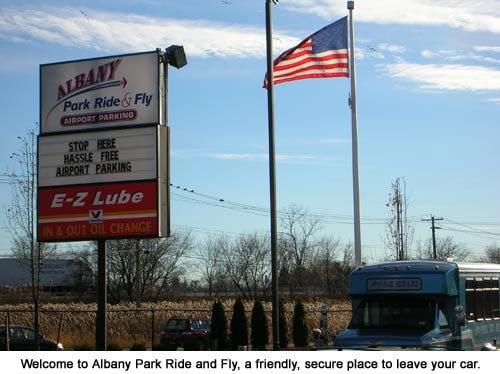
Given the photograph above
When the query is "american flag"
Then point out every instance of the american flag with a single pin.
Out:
(321, 55)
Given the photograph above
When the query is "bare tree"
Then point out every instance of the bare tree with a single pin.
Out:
(348, 266)
(211, 255)
(160, 264)
(491, 254)
(247, 264)
(399, 230)
(162, 261)
(445, 248)
(327, 264)
(298, 238)
(21, 219)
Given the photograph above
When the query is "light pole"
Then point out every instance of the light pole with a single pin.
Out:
(176, 57)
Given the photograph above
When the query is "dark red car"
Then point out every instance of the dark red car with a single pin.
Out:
(188, 333)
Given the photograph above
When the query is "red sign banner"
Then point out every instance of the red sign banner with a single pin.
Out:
(87, 212)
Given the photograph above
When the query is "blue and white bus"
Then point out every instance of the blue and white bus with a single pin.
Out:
(424, 305)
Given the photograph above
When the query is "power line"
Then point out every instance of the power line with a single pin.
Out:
(468, 232)
(256, 210)
(473, 228)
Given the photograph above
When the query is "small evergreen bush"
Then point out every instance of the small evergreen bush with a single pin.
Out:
(239, 325)
(218, 327)
(283, 325)
(300, 329)
(260, 330)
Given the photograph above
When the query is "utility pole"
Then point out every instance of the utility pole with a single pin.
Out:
(433, 228)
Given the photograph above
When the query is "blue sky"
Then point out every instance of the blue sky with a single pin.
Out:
(428, 93)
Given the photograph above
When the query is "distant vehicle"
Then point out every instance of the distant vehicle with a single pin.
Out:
(55, 274)
(189, 333)
(424, 305)
(22, 338)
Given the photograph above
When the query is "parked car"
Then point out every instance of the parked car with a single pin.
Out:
(22, 338)
(189, 333)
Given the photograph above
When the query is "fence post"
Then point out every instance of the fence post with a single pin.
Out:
(152, 328)
(60, 327)
(7, 331)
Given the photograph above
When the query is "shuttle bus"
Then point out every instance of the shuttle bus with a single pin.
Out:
(424, 305)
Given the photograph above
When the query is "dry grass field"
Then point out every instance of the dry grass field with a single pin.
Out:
(128, 326)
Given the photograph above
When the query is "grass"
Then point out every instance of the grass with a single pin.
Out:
(132, 329)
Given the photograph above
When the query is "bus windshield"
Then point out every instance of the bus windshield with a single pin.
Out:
(394, 312)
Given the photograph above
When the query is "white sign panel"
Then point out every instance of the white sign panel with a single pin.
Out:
(100, 93)
(98, 157)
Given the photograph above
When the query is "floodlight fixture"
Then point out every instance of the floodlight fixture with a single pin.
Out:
(176, 56)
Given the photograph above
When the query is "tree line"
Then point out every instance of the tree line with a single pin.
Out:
(151, 269)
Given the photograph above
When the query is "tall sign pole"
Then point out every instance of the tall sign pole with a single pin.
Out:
(355, 174)
(100, 326)
(272, 174)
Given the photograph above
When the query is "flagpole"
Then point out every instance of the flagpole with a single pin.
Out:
(272, 174)
(354, 126)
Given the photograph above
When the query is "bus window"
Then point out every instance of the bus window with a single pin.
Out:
(443, 322)
(394, 312)
(470, 300)
(488, 311)
(479, 299)
(495, 298)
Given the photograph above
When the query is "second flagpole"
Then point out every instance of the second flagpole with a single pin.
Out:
(355, 174)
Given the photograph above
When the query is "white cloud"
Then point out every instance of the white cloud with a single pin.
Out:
(367, 52)
(106, 31)
(442, 53)
(495, 100)
(428, 54)
(487, 48)
(452, 55)
(258, 156)
(468, 15)
(282, 158)
(448, 77)
(392, 48)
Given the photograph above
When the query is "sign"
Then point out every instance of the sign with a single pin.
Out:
(98, 157)
(103, 184)
(112, 210)
(399, 284)
(100, 93)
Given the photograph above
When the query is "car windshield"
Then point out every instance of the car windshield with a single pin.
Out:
(200, 324)
(176, 324)
(391, 312)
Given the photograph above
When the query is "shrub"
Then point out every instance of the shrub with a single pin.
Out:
(141, 346)
(218, 327)
(83, 347)
(114, 346)
(283, 325)
(260, 330)
(239, 325)
(300, 329)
